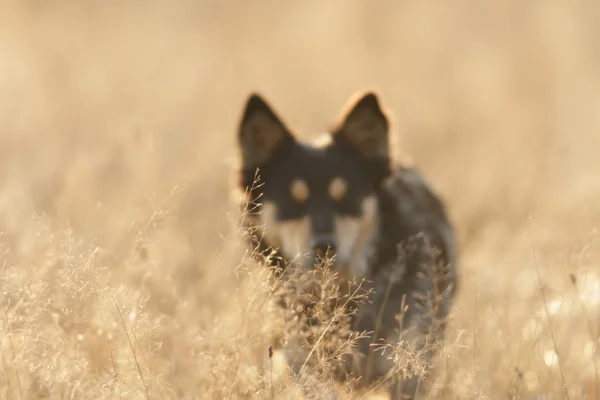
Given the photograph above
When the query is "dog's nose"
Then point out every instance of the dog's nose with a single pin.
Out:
(324, 247)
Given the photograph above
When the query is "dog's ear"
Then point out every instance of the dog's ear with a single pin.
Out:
(364, 127)
(261, 133)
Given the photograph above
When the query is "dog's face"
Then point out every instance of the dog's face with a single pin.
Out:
(317, 201)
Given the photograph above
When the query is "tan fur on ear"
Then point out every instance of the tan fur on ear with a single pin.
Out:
(366, 125)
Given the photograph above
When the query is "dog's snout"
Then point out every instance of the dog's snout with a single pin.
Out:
(324, 247)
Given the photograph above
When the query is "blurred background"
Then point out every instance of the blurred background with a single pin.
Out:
(118, 124)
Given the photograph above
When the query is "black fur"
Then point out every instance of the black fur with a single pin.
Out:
(414, 271)
(417, 243)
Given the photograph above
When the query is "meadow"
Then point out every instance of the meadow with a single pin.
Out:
(123, 270)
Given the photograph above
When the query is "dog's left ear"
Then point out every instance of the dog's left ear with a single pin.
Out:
(261, 133)
(365, 129)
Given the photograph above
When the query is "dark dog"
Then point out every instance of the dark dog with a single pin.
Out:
(344, 200)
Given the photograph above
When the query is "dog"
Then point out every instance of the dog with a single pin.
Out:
(346, 200)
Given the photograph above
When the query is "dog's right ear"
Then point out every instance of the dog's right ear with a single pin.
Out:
(261, 133)
(364, 130)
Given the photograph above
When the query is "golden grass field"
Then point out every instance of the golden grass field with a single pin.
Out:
(122, 272)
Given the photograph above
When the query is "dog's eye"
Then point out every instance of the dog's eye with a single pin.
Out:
(299, 190)
(337, 188)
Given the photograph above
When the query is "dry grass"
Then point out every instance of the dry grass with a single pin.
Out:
(122, 275)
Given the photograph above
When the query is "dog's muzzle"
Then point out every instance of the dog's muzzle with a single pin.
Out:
(324, 246)
(324, 249)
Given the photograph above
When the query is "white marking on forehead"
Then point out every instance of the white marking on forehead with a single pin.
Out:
(299, 190)
(337, 188)
(322, 141)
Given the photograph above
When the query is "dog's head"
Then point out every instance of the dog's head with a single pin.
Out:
(318, 201)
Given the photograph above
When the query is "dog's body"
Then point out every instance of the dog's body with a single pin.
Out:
(345, 200)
